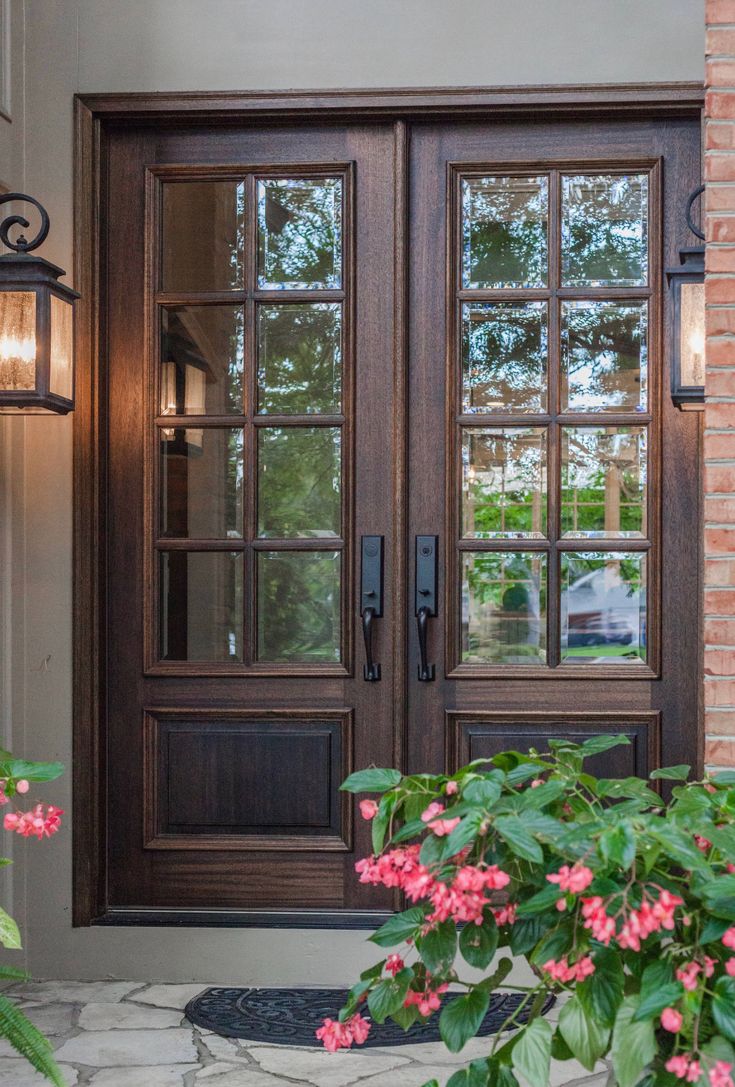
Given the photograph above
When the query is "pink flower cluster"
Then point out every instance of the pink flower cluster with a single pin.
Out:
(574, 879)
(34, 823)
(440, 827)
(394, 964)
(562, 971)
(728, 939)
(462, 900)
(336, 1035)
(21, 786)
(637, 924)
(689, 973)
(720, 1074)
(427, 1000)
(683, 1067)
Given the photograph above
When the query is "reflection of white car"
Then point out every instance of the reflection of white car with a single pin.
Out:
(599, 609)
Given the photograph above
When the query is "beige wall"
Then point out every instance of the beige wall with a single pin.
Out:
(63, 46)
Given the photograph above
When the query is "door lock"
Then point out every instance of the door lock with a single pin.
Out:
(426, 605)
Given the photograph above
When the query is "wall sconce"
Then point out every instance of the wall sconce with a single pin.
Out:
(36, 324)
(687, 286)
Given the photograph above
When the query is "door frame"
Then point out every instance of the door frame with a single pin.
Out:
(95, 116)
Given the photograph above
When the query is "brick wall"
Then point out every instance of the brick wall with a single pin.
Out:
(719, 436)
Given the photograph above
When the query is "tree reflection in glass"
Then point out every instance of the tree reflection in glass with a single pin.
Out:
(604, 481)
(504, 356)
(503, 607)
(604, 231)
(298, 606)
(604, 356)
(603, 607)
(300, 358)
(504, 482)
(299, 486)
(299, 233)
(504, 232)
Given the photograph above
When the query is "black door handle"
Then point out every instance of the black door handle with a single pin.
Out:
(371, 599)
(427, 671)
(426, 598)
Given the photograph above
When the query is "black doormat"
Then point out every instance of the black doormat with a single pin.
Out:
(290, 1016)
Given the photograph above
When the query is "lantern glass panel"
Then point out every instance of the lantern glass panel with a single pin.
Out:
(17, 340)
(691, 334)
(62, 348)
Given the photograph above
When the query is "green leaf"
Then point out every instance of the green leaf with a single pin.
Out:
(482, 791)
(615, 788)
(724, 777)
(27, 1040)
(388, 997)
(718, 1049)
(400, 927)
(406, 1017)
(554, 943)
(431, 1083)
(371, 781)
(597, 745)
(433, 850)
(464, 833)
(601, 994)
(478, 943)
(9, 932)
(461, 1017)
(512, 830)
(544, 794)
(658, 990)
(412, 829)
(526, 770)
(475, 1075)
(31, 771)
(586, 1038)
(380, 823)
(526, 933)
(681, 848)
(633, 1044)
(723, 1006)
(542, 900)
(438, 947)
(491, 983)
(617, 844)
(12, 973)
(532, 1053)
(714, 930)
(680, 772)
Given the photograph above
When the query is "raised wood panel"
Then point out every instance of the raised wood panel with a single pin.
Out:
(483, 735)
(254, 780)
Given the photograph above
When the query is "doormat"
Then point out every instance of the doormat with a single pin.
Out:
(290, 1016)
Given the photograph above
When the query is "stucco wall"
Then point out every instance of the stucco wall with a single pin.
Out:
(62, 46)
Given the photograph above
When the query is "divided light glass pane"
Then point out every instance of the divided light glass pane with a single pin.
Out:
(504, 232)
(300, 233)
(299, 601)
(300, 359)
(604, 356)
(504, 356)
(504, 482)
(603, 607)
(203, 230)
(201, 482)
(299, 482)
(503, 607)
(603, 479)
(202, 360)
(201, 605)
(604, 230)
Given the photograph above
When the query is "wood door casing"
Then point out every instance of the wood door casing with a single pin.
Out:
(138, 860)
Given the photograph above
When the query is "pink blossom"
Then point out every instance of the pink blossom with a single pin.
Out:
(596, 920)
(561, 904)
(434, 809)
(22, 786)
(442, 827)
(336, 1035)
(564, 972)
(536, 782)
(359, 1029)
(394, 964)
(730, 868)
(368, 809)
(671, 1020)
(427, 1000)
(719, 1074)
(683, 1067)
(3, 798)
(730, 967)
(703, 844)
(35, 823)
(709, 966)
(575, 879)
(505, 915)
(728, 938)
(688, 974)
(451, 788)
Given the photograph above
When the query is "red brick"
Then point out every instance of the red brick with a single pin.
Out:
(719, 416)
(719, 692)
(719, 574)
(720, 510)
(719, 478)
(719, 752)
(719, 602)
(720, 383)
(719, 73)
(720, 447)
(719, 105)
(720, 198)
(719, 662)
(719, 541)
(720, 322)
(720, 43)
(721, 353)
(719, 290)
(720, 258)
(721, 228)
(721, 723)
(719, 631)
(720, 167)
(719, 11)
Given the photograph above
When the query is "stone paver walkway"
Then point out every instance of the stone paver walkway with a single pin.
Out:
(124, 1034)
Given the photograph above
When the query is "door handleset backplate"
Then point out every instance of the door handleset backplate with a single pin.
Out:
(371, 598)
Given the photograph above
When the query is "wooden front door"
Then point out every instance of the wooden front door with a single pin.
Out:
(393, 387)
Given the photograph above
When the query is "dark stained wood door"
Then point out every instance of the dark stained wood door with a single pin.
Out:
(249, 423)
(565, 492)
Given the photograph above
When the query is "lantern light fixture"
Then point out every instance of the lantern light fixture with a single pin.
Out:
(687, 285)
(36, 323)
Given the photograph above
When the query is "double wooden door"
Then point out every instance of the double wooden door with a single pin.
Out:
(388, 393)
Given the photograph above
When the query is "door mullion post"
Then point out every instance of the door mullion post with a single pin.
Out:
(553, 481)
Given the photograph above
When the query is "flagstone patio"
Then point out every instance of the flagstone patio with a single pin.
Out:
(128, 1034)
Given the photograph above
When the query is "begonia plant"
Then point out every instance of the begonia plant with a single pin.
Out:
(622, 902)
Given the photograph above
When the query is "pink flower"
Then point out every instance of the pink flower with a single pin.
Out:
(719, 1074)
(505, 915)
(730, 967)
(434, 809)
(561, 905)
(442, 827)
(703, 844)
(394, 964)
(728, 939)
(684, 1068)
(427, 1000)
(687, 975)
(34, 823)
(359, 1028)
(671, 1020)
(709, 966)
(336, 1035)
(536, 782)
(451, 788)
(575, 879)
(22, 786)
(563, 972)
(368, 809)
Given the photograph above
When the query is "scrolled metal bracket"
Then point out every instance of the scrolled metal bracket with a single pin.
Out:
(22, 245)
(690, 202)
